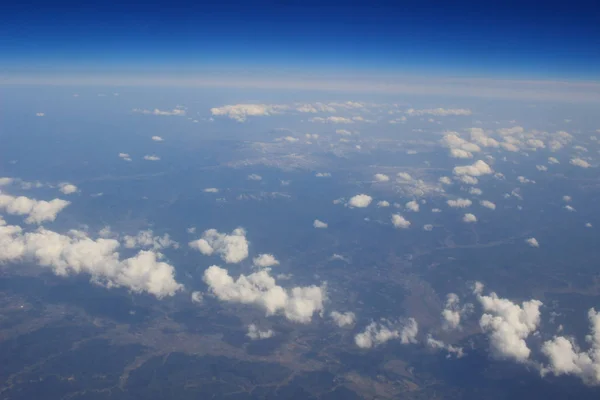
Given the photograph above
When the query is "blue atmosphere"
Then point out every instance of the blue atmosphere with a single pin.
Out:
(465, 38)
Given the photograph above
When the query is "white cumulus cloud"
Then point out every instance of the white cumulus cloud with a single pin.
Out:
(232, 248)
(343, 319)
(260, 289)
(319, 224)
(37, 211)
(265, 261)
(360, 201)
(376, 334)
(67, 188)
(400, 222)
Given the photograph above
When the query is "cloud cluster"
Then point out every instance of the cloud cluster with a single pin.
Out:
(319, 224)
(381, 177)
(146, 239)
(400, 222)
(376, 334)
(579, 162)
(439, 345)
(469, 218)
(232, 248)
(509, 325)
(459, 147)
(567, 359)
(240, 112)
(438, 112)
(452, 312)
(332, 120)
(76, 253)
(479, 168)
(343, 319)
(298, 304)
(67, 188)
(174, 112)
(459, 203)
(488, 204)
(360, 201)
(37, 211)
(265, 261)
(256, 334)
(412, 206)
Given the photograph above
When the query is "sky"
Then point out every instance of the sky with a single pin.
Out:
(511, 40)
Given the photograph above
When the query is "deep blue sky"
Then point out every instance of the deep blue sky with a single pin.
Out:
(522, 39)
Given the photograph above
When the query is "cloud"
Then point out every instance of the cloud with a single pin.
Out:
(157, 139)
(343, 319)
(381, 177)
(412, 206)
(578, 162)
(532, 242)
(319, 224)
(452, 312)
(404, 176)
(67, 188)
(240, 112)
(260, 289)
(232, 248)
(400, 222)
(146, 239)
(125, 156)
(6, 181)
(314, 108)
(475, 191)
(439, 345)
(536, 144)
(40, 114)
(444, 180)
(488, 204)
(254, 177)
(508, 325)
(542, 168)
(510, 131)
(323, 175)
(174, 112)
(151, 158)
(37, 211)
(197, 297)
(376, 334)
(468, 180)
(343, 132)
(567, 359)
(570, 208)
(383, 203)
(360, 201)
(459, 147)
(76, 253)
(524, 180)
(479, 168)
(460, 153)
(256, 334)
(265, 261)
(469, 218)
(552, 160)
(479, 136)
(332, 120)
(438, 112)
(459, 203)
(211, 190)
